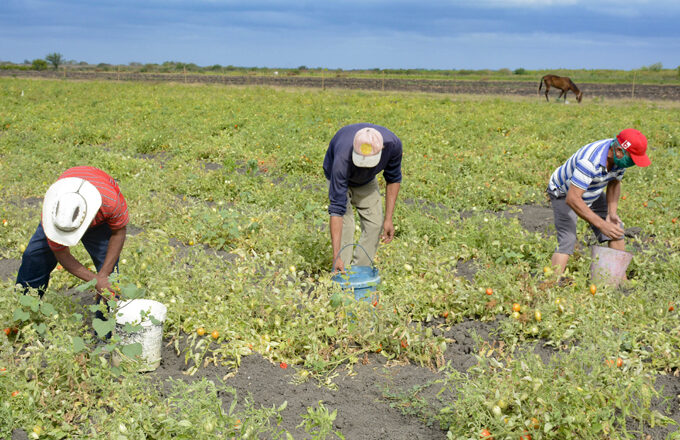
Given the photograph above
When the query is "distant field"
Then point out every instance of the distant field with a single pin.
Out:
(229, 229)
(645, 75)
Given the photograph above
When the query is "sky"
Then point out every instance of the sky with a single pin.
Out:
(351, 34)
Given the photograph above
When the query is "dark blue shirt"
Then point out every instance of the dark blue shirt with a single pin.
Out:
(342, 173)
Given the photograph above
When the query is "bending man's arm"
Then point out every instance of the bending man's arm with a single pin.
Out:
(336, 239)
(575, 202)
(391, 192)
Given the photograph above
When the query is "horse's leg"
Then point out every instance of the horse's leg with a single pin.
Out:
(562, 92)
(547, 89)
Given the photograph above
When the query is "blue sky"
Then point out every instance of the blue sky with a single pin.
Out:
(432, 34)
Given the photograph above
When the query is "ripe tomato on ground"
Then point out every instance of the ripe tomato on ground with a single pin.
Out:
(485, 434)
(200, 331)
(516, 307)
(619, 362)
(15, 393)
(404, 343)
(215, 334)
(593, 289)
(283, 365)
(489, 291)
(7, 331)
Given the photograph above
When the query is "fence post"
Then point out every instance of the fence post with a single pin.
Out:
(323, 86)
(632, 93)
(185, 74)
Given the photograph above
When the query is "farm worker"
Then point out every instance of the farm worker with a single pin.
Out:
(577, 188)
(355, 156)
(84, 204)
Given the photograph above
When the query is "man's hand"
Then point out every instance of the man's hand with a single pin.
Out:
(388, 231)
(614, 218)
(103, 283)
(611, 230)
(338, 266)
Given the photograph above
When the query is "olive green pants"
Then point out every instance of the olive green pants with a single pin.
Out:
(368, 203)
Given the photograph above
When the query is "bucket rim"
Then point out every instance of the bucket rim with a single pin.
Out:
(608, 249)
(129, 311)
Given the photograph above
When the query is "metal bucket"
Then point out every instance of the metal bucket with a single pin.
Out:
(150, 336)
(362, 281)
(608, 266)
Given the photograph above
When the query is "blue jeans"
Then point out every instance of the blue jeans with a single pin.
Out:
(38, 260)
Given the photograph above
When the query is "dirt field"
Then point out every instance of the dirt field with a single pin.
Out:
(590, 91)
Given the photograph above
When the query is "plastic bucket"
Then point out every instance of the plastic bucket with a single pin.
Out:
(150, 336)
(608, 266)
(361, 280)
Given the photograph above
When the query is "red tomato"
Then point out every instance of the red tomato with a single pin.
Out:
(7, 331)
(516, 307)
(489, 291)
(619, 362)
(404, 343)
(15, 393)
(485, 434)
(283, 365)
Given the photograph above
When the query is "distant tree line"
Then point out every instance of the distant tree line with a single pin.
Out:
(55, 60)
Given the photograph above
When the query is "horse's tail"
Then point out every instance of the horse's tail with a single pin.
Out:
(540, 84)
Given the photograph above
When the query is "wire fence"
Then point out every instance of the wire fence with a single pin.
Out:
(517, 88)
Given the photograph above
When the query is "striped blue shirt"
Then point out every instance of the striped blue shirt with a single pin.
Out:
(586, 169)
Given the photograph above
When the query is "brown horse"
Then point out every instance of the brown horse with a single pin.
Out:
(560, 82)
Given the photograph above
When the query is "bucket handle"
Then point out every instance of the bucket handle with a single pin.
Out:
(353, 244)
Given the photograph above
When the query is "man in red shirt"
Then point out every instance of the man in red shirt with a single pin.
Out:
(84, 204)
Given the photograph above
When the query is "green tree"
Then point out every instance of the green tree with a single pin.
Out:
(39, 64)
(55, 59)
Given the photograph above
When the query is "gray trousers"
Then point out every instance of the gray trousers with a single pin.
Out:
(565, 222)
(368, 203)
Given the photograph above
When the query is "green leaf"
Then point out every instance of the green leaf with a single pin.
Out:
(47, 309)
(77, 317)
(29, 301)
(86, 286)
(331, 331)
(132, 350)
(78, 344)
(103, 327)
(132, 328)
(154, 321)
(20, 315)
(41, 328)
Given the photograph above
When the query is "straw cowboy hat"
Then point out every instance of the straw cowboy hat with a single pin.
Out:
(68, 209)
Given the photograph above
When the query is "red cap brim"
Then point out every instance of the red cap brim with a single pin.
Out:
(641, 161)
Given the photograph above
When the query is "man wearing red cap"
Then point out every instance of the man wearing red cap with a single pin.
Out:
(577, 188)
(355, 156)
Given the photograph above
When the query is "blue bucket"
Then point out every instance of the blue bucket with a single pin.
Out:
(361, 280)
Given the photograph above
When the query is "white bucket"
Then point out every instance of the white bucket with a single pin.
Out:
(137, 312)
